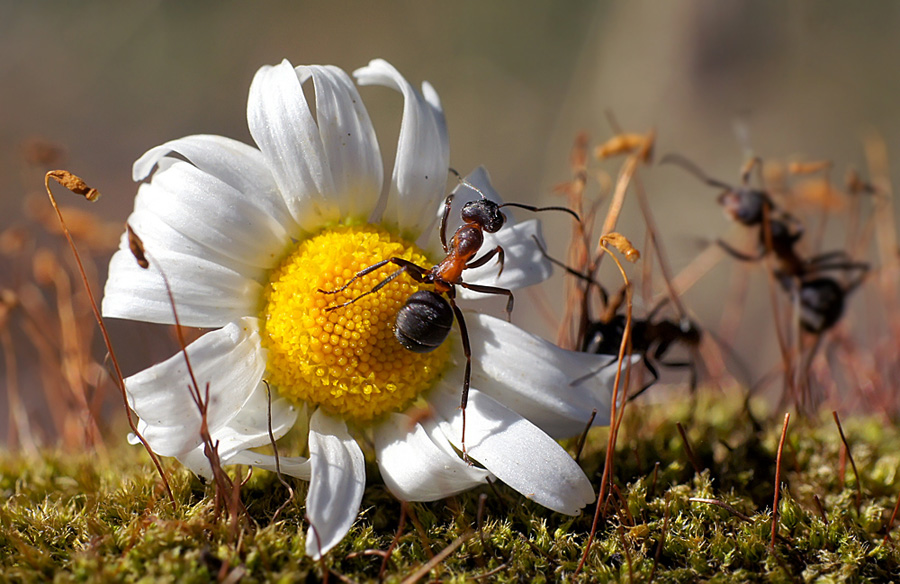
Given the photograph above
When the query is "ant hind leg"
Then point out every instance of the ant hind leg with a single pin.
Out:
(467, 350)
(493, 290)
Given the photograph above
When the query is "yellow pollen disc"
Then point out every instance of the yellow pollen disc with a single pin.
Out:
(346, 360)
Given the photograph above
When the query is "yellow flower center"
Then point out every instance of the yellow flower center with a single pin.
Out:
(345, 360)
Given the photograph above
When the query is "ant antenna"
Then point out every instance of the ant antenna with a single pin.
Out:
(539, 209)
(466, 183)
(692, 168)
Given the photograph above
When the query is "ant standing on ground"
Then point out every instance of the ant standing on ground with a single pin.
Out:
(424, 321)
(650, 338)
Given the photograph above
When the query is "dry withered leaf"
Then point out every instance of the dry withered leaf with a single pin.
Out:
(137, 247)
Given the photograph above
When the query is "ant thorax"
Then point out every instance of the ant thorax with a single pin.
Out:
(467, 241)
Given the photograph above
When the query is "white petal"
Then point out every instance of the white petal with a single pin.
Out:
(295, 466)
(249, 428)
(236, 164)
(197, 462)
(514, 449)
(524, 264)
(349, 141)
(423, 151)
(283, 127)
(414, 468)
(228, 361)
(226, 223)
(537, 379)
(206, 293)
(336, 484)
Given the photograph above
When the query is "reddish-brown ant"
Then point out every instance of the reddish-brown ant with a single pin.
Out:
(424, 321)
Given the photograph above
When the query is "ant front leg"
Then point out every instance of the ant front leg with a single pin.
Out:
(604, 296)
(738, 254)
(467, 350)
(415, 271)
(497, 251)
(648, 364)
(448, 203)
(493, 290)
(835, 260)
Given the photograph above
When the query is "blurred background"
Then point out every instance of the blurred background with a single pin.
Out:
(90, 86)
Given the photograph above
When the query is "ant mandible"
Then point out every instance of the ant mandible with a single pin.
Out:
(424, 320)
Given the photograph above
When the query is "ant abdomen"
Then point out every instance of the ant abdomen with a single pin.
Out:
(821, 304)
(423, 322)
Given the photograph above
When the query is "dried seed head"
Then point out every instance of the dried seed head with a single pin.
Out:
(622, 245)
(809, 167)
(642, 144)
(74, 184)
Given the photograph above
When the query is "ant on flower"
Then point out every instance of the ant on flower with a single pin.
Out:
(425, 319)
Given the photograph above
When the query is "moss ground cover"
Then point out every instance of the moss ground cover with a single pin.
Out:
(94, 517)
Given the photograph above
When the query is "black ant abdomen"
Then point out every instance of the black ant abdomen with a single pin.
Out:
(821, 304)
(423, 322)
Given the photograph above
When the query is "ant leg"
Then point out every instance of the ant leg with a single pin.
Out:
(415, 271)
(448, 202)
(357, 276)
(467, 350)
(693, 169)
(487, 257)
(604, 296)
(835, 260)
(738, 254)
(493, 290)
(653, 372)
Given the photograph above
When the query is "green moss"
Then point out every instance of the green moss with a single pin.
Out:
(106, 518)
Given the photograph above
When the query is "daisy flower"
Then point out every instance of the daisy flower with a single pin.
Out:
(248, 237)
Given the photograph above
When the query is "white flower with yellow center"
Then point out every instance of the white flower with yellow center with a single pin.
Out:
(248, 237)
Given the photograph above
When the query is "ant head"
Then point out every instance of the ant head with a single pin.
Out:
(485, 213)
(746, 206)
